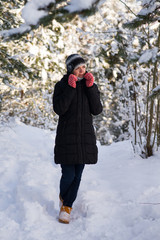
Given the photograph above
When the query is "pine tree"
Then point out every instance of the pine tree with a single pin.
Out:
(145, 73)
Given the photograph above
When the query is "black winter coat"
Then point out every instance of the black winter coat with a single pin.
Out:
(75, 141)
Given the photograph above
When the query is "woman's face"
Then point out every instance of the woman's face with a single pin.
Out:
(80, 71)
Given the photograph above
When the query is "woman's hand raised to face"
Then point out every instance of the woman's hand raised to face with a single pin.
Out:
(72, 80)
(89, 79)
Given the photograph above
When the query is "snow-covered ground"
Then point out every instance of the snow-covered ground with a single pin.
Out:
(119, 197)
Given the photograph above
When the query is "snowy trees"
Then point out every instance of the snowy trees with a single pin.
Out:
(122, 52)
(109, 53)
(145, 77)
(30, 66)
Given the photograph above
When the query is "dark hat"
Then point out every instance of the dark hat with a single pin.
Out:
(73, 61)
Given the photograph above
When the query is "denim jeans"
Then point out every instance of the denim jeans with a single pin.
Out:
(70, 181)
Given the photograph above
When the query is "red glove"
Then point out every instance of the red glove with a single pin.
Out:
(89, 79)
(72, 80)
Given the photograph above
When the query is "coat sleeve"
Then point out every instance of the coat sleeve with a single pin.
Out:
(93, 95)
(62, 98)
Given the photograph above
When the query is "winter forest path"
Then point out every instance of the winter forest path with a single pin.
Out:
(110, 204)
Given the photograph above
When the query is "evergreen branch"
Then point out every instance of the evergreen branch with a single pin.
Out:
(4, 20)
(128, 8)
(155, 93)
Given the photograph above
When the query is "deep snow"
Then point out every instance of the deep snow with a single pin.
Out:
(119, 197)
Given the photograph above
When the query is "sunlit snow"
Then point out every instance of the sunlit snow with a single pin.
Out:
(118, 197)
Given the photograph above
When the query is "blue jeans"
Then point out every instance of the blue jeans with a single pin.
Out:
(70, 181)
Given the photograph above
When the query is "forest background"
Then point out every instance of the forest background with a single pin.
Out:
(120, 41)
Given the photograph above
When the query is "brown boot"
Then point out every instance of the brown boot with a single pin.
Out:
(64, 215)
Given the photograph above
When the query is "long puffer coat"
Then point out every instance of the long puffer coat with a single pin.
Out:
(75, 141)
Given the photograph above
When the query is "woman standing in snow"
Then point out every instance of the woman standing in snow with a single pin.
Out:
(76, 97)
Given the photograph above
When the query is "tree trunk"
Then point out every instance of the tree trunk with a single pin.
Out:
(158, 124)
(149, 145)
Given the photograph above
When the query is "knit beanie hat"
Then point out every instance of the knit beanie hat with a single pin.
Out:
(73, 61)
